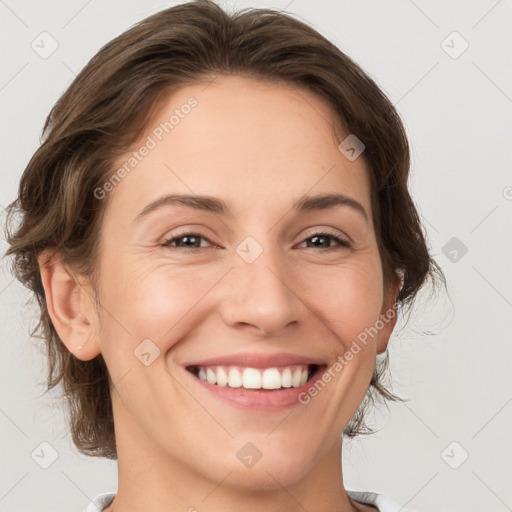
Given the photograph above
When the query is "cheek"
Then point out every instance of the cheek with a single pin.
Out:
(346, 298)
(156, 301)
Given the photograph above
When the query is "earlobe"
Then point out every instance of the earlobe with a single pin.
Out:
(388, 317)
(69, 306)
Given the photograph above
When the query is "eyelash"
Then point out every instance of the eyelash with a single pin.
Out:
(342, 243)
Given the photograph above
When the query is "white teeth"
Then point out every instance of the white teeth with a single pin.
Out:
(210, 376)
(296, 378)
(222, 377)
(235, 378)
(286, 378)
(271, 379)
(253, 378)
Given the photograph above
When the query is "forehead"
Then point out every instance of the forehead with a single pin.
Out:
(247, 141)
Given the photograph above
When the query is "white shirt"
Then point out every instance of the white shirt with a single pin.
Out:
(383, 503)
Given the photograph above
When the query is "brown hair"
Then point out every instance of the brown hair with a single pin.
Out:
(105, 110)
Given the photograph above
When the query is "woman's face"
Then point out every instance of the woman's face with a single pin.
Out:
(238, 283)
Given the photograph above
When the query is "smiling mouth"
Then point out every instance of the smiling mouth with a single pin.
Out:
(271, 379)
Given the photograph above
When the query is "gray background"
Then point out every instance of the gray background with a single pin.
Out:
(457, 112)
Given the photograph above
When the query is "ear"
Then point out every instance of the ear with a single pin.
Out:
(70, 306)
(388, 314)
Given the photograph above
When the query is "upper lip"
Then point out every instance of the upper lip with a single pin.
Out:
(255, 360)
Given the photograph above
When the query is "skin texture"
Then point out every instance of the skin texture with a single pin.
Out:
(259, 147)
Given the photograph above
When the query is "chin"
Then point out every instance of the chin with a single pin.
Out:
(276, 473)
(266, 468)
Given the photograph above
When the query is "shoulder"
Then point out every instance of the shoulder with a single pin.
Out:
(381, 502)
(100, 502)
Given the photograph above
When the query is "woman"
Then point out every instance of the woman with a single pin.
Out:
(218, 230)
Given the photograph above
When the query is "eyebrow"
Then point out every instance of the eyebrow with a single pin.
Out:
(216, 205)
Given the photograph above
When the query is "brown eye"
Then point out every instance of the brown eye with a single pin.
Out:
(322, 240)
(185, 241)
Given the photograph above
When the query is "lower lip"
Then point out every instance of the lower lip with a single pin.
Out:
(259, 399)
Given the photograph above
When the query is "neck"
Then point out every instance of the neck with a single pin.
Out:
(150, 479)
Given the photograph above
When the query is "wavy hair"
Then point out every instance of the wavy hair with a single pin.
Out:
(105, 110)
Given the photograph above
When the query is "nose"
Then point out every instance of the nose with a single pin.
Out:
(261, 294)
